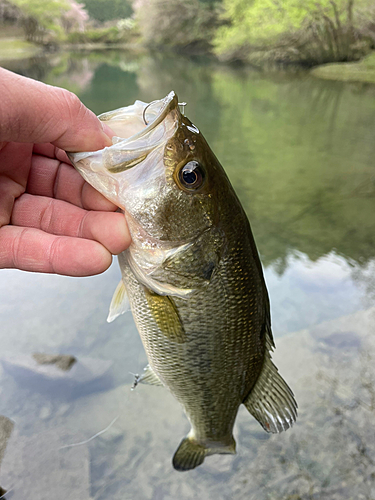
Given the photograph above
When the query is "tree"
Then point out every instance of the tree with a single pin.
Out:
(74, 18)
(310, 31)
(41, 17)
(176, 23)
(106, 10)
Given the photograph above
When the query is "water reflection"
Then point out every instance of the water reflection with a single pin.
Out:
(305, 292)
(299, 153)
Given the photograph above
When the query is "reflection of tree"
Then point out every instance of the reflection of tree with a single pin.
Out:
(73, 72)
(300, 153)
(190, 79)
(111, 88)
(364, 275)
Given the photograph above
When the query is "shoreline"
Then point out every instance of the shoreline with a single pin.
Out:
(16, 48)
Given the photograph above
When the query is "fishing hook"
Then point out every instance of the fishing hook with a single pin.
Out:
(183, 104)
(144, 112)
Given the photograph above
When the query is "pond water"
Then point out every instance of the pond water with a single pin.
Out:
(300, 154)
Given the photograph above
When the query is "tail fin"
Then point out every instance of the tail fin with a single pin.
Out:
(190, 453)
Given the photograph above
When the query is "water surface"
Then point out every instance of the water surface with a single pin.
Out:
(300, 154)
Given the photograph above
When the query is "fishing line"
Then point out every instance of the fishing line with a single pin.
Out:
(182, 104)
(6, 493)
(92, 437)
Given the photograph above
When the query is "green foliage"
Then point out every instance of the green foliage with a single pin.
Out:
(41, 16)
(309, 31)
(107, 10)
(99, 35)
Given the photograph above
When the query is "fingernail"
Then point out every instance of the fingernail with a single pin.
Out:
(107, 141)
(108, 131)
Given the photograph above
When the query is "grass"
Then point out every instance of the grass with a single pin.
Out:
(362, 71)
(16, 48)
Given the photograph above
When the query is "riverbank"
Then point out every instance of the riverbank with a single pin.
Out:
(13, 49)
(361, 71)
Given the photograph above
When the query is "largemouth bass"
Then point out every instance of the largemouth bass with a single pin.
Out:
(192, 275)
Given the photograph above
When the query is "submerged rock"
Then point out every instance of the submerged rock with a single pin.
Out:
(62, 361)
(58, 374)
(6, 428)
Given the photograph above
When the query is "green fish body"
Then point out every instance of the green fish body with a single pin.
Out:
(192, 276)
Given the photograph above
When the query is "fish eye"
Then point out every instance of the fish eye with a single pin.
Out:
(191, 176)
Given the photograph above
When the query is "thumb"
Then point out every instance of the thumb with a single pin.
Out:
(34, 112)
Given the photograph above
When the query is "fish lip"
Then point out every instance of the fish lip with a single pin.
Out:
(170, 102)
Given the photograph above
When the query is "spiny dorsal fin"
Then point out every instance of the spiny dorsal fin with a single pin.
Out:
(119, 303)
(189, 455)
(148, 377)
(271, 401)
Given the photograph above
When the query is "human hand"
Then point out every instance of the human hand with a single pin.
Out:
(51, 220)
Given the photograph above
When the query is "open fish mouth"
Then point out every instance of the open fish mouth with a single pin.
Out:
(139, 129)
(141, 132)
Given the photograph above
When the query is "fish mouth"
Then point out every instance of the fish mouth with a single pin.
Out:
(139, 129)
(156, 111)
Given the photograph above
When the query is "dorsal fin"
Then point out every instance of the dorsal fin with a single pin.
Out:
(271, 401)
(119, 303)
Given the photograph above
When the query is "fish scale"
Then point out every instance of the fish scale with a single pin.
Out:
(193, 277)
(204, 363)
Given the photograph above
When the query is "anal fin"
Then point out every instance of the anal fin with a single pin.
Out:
(148, 377)
(271, 401)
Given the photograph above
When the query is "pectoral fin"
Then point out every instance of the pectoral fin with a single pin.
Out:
(165, 314)
(194, 263)
(119, 303)
(271, 401)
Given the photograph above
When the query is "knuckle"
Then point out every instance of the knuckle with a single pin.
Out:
(46, 219)
(70, 99)
(71, 106)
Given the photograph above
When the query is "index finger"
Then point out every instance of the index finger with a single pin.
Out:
(32, 111)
